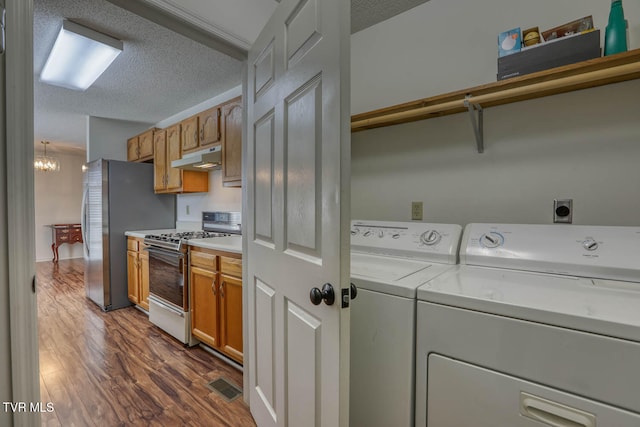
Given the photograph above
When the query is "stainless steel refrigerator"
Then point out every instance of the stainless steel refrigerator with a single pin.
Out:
(118, 197)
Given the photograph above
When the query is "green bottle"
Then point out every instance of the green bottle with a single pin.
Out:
(615, 38)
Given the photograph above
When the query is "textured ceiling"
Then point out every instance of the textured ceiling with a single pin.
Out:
(365, 13)
(158, 74)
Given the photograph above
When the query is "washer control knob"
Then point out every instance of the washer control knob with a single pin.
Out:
(355, 231)
(590, 245)
(430, 237)
(367, 233)
(491, 240)
(395, 236)
(381, 234)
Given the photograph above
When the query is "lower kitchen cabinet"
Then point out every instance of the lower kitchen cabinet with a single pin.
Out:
(138, 272)
(204, 305)
(216, 300)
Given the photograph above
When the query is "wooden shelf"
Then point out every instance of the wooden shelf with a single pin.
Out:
(596, 72)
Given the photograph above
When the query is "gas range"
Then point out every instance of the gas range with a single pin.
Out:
(214, 224)
(175, 241)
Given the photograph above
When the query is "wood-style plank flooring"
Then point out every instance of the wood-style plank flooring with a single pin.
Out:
(117, 369)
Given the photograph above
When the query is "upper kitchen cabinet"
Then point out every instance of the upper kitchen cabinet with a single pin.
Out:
(168, 147)
(201, 130)
(140, 147)
(232, 143)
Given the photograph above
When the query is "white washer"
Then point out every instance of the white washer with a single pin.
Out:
(389, 260)
(538, 326)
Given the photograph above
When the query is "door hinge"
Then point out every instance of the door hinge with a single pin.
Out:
(3, 31)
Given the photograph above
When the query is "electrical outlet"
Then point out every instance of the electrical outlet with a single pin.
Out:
(563, 210)
(416, 211)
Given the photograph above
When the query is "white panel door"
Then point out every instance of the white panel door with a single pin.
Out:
(297, 166)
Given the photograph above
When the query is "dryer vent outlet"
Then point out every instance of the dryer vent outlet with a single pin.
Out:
(563, 210)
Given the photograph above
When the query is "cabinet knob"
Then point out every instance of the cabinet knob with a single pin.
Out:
(222, 289)
(202, 134)
(213, 287)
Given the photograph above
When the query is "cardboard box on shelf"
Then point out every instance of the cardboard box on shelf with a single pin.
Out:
(562, 51)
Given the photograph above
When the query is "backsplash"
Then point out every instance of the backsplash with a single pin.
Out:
(219, 198)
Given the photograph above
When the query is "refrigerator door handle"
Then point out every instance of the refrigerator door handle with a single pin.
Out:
(83, 222)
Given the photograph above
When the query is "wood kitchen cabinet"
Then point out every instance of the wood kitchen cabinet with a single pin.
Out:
(216, 300)
(140, 148)
(167, 146)
(201, 130)
(138, 272)
(232, 143)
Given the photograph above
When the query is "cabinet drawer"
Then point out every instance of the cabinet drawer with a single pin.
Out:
(203, 259)
(132, 244)
(231, 266)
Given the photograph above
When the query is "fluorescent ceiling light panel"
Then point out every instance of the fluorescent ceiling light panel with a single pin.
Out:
(79, 56)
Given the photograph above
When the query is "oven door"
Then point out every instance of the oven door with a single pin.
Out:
(167, 276)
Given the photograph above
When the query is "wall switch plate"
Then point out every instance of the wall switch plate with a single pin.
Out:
(563, 210)
(188, 209)
(416, 211)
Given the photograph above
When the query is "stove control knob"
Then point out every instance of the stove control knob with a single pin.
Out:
(381, 234)
(430, 237)
(355, 231)
(590, 245)
(395, 236)
(367, 233)
(491, 240)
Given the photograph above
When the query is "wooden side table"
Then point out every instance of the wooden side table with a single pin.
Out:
(64, 233)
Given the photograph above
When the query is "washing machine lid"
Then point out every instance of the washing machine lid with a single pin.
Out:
(601, 306)
(393, 276)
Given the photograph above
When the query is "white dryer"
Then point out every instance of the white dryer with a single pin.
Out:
(389, 260)
(539, 325)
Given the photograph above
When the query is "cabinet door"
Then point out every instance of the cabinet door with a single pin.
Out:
(190, 134)
(160, 161)
(132, 149)
(204, 305)
(133, 276)
(209, 122)
(174, 176)
(143, 294)
(231, 316)
(232, 143)
(145, 145)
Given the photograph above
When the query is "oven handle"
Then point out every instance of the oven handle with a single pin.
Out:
(174, 258)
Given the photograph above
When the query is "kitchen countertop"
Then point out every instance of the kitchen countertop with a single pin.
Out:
(227, 244)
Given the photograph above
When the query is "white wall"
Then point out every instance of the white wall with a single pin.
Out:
(583, 145)
(107, 138)
(58, 199)
(218, 198)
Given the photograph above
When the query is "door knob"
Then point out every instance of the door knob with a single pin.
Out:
(354, 291)
(316, 295)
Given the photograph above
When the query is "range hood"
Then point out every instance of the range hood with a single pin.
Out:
(203, 160)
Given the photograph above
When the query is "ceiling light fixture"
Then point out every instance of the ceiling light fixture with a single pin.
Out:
(46, 163)
(79, 56)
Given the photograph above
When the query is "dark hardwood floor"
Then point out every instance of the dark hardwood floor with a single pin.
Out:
(117, 369)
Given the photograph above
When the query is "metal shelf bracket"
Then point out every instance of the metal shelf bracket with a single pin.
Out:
(477, 124)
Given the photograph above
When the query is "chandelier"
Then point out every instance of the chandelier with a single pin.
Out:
(45, 163)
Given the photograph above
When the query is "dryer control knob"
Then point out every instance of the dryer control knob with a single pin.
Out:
(381, 234)
(355, 231)
(590, 245)
(491, 240)
(430, 237)
(395, 235)
(367, 233)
